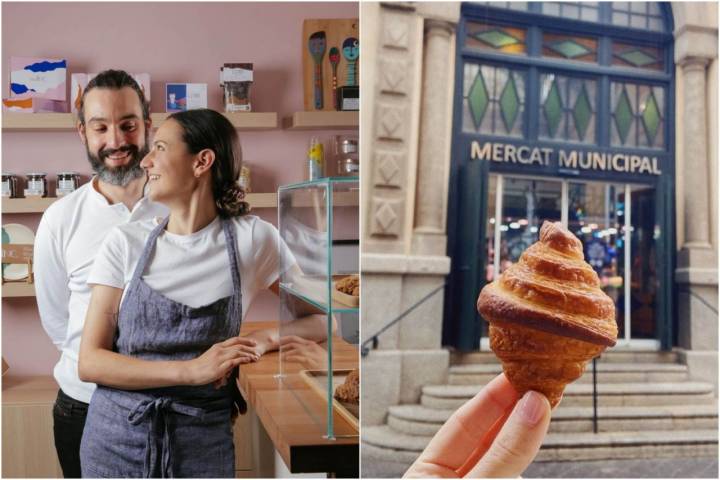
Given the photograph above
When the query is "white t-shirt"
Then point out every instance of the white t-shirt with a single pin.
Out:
(194, 269)
(68, 238)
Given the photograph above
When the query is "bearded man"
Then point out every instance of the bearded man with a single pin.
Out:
(114, 125)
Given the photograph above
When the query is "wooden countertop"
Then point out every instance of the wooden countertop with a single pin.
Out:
(294, 416)
(41, 390)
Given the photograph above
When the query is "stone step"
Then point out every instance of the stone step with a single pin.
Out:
(382, 444)
(609, 356)
(419, 420)
(481, 373)
(580, 395)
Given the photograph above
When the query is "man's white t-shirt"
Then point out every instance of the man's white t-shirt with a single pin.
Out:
(68, 238)
(194, 269)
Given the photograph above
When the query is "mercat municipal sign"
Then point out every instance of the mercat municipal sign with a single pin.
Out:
(570, 159)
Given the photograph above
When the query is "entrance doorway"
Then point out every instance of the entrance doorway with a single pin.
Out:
(615, 223)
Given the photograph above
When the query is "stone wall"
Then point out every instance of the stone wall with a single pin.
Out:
(696, 52)
(407, 106)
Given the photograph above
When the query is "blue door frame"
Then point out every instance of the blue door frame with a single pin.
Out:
(467, 203)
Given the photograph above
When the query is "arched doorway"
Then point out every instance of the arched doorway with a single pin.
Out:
(564, 111)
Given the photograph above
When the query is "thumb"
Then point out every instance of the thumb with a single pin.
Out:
(517, 444)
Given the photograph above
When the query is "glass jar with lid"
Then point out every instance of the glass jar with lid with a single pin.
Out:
(36, 184)
(9, 185)
(67, 182)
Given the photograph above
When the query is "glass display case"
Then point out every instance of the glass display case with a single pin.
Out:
(318, 223)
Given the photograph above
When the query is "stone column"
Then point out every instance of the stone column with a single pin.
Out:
(696, 277)
(697, 213)
(431, 192)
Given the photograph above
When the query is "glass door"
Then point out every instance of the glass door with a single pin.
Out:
(616, 224)
(517, 209)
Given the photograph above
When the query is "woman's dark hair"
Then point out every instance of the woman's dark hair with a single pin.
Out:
(207, 129)
(114, 80)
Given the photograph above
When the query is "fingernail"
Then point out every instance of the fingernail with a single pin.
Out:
(532, 407)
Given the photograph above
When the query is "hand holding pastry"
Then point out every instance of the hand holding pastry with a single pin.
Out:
(548, 316)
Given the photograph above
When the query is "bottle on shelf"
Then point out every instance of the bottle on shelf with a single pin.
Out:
(316, 159)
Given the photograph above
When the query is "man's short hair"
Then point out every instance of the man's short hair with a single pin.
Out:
(115, 80)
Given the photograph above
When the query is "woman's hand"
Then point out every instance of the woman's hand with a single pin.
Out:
(306, 352)
(492, 435)
(219, 360)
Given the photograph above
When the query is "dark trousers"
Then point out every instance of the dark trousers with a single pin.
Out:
(68, 423)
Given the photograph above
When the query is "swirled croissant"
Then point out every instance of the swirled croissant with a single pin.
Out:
(548, 316)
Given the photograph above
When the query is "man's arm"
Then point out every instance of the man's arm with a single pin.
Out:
(51, 283)
(310, 324)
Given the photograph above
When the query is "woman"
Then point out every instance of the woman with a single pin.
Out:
(160, 338)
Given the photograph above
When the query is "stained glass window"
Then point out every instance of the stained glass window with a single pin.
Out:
(483, 36)
(578, 10)
(493, 100)
(637, 56)
(567, 108)
(637, 115)
(643, 15)
(569, 47)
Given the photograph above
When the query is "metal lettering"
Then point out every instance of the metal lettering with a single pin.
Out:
(567, 161)
(599, 161)
(476, 153)
(523, 154)
(634, 162)
(510, 153)
(497, 152)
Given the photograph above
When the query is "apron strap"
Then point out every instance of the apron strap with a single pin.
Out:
(148, 250)
(158, 449)
(235, 312)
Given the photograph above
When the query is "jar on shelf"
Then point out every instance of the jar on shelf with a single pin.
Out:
(346, 155)
(9, 185)
(67, 182)
(36, 185)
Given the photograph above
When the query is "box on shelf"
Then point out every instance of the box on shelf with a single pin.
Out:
(78, 82)
(236, 78)
(185, 96)
(38, 77)
(33, 105)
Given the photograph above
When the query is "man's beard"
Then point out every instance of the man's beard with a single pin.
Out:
(123, 174)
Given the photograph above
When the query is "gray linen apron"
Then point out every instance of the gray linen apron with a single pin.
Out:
(180, 431)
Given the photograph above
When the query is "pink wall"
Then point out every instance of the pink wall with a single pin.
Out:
(174, 42)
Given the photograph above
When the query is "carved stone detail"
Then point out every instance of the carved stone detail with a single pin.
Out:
(393, 76)
(391, 121)
(388, 169)
(386, 217)
(396, 33)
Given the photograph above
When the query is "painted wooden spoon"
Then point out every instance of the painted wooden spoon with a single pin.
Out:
(351, 52)
(334, 56)
(316, 45)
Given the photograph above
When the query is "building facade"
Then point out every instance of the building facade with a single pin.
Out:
(482, 120)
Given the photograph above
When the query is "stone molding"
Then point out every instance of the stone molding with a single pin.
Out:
(379, 263)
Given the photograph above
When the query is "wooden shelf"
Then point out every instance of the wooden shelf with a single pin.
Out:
(39, 205)
(241, 121)
(17, 289)
(323, 121)
(59, 122)
(26, 205)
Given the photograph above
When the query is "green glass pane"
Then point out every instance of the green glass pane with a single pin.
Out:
(582, 113)
(651, 118)
(478, 99)
(638, 58)
(553, 108)
(496, 38)
(509, 103)
(623, 115)
(569, 49)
